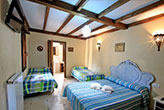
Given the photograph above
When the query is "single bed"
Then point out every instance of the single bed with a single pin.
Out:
(39, 80)
(82, 73)
(131, 90)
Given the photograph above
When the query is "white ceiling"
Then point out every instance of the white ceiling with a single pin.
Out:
(74, 23)
(55, 19)
(156, 11)
(102, 30)
(129, 7)
(35, 14)
(98, 6)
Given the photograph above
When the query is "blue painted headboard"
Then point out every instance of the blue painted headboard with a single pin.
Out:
(129, 71)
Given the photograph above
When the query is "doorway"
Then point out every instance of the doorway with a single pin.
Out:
(57, 58)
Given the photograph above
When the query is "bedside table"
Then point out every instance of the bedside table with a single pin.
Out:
(158, 104)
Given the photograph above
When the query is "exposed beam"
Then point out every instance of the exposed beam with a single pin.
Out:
(93, 30)
(79, 7)
(83, 13)
(81, 26)
(146, 20)
(53, 33)
(46, 17)
(22, 15)
(132, 24)
(9, 14)
(81, 4)
(17, 19)
(109, 31)
(65, 23)
(112, 7)
(100, 27)
(139, 11)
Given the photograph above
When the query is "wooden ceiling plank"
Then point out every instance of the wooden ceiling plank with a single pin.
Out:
(83, 13)
(145, 20)
(112, 7)
(53, 33)
(140, 11)
(46, 17)
(81, 26)
(65, 23)
(81, 4)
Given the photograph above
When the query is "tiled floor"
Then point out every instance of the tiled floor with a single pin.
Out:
(48, 101)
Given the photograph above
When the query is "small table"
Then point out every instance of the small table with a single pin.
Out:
(158, 104)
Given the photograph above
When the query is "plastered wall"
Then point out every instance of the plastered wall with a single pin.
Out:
(10, 54)
(40, 59)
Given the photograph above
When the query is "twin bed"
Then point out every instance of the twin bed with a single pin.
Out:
(39, 80)
(131, 90)
(82, 73)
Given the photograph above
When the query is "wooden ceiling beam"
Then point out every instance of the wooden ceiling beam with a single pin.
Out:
(109, 31)
(93, 30)
(22, 15)
(140, 11)
(65, 23)
(145, 20)
(46, 17)
(98, 28)
(79, 7)
(53, 33)
(81, 4)
(132, 24)
(112, 7)
(17, 19)
(81, 26)
(83, 13)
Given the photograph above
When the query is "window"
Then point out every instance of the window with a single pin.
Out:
(24, 51)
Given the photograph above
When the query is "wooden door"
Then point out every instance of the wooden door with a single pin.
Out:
(50, 55)
(64, 57)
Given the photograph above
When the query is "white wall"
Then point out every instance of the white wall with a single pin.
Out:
(39, 59)
(10, 54)
(139, 47)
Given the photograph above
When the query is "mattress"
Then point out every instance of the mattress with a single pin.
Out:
(126, 96)
(84, 74)
(39, 81)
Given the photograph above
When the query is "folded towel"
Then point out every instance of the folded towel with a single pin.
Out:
(91, 73)
(38, 78)
(107, 89)
(95, 86)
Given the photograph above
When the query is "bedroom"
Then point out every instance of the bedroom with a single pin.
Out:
(139, 48)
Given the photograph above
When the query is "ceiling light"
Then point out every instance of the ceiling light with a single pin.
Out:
(86, 31)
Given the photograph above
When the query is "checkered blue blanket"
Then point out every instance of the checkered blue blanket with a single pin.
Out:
(84, 74)
(40, 81)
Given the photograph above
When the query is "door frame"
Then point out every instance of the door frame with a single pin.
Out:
(64, 54)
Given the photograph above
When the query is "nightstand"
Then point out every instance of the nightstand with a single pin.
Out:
(158, 104)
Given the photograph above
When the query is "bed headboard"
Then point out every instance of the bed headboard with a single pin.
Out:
(129, 71)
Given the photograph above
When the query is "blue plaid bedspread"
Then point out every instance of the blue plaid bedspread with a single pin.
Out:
(36, 82)
(84, 74)
(127, 97)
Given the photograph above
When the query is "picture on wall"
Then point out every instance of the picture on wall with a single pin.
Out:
(119, 47)
(70, 49)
